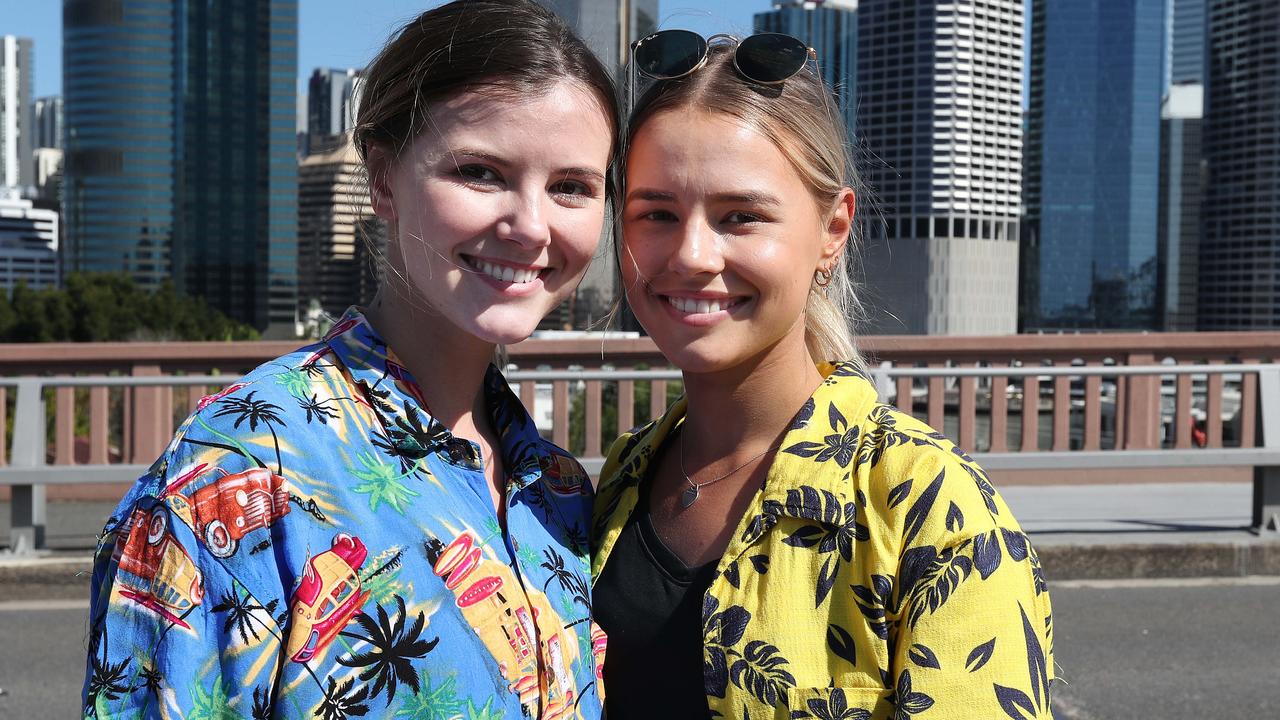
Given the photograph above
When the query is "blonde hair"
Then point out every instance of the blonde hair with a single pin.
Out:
(801, 118)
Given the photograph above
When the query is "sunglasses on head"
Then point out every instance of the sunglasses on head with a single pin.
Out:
(767, 58)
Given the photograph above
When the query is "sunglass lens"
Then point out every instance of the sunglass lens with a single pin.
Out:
(670, 53)
(771, 57)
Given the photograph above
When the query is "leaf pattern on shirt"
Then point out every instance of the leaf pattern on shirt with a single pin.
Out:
(876, 543)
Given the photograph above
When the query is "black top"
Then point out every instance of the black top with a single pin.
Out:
(649, 603)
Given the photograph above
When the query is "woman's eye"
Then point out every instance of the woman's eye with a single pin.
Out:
(742, 218)
(572, 187)
(478, 173)
(658, 216)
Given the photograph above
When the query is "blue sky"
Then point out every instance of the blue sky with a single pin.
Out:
(341, 33)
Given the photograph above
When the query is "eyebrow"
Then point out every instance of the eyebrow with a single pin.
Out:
(578, 172)
(741, 197)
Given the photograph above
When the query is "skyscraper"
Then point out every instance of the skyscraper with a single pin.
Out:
(48, 118)
(332, 99)
(1181, 189)
(16, 121)
(180, 154)
(334, 218)
(1181, 170)
(1093, 165)
(1240, 248)
(830, 28)
(940, 117)
(1186, 52)
(608, 26)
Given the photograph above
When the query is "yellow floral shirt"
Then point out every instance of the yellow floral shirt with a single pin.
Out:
(876, 575)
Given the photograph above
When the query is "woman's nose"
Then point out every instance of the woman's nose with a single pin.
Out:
(525, 222)
(698, 250)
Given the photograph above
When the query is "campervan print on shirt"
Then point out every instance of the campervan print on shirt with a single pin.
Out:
(314, 544)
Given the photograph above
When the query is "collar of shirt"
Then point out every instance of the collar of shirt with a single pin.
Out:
(407, 424)
(809, 478)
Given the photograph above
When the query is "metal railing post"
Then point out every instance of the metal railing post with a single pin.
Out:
(1266, 478)
(27, 507)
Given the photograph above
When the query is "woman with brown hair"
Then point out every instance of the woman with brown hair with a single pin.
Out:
(780, 544)
(372, 525)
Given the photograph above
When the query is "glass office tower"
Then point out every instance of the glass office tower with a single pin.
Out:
(1093, 165)
(180, 149)
(830, 28)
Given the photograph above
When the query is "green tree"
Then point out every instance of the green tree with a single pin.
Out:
(102, 307)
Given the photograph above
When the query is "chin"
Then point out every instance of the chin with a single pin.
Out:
(506, 327)
(700, 356)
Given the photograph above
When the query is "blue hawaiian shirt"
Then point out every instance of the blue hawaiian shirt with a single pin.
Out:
(313, 543)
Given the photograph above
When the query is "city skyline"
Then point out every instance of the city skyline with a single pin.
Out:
(330, 35)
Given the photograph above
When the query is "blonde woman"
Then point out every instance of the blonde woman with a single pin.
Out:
(780, 544)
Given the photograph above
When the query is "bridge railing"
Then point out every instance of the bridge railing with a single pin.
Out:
(90, 417)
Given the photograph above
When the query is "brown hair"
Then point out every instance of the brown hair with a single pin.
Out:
(802, 120)
(504, 46)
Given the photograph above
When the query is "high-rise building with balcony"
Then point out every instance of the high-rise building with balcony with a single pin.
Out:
(1092, 173)
(1240, 248)
(335, 219)
(940, 115)
(830, 28)
(16, 119)
(180, 149)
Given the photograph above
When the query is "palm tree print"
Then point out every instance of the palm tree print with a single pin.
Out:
(255, 412)
(371, 480)
(213, 704)
(488, 712)
(382, 483)
(388, 662)
(240, 614)
(434, 702)
(340, 702)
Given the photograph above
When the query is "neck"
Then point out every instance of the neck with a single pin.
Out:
(740, 411)
(448, 363)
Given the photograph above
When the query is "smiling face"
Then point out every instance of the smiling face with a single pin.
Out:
(496, 208)
(721, 239)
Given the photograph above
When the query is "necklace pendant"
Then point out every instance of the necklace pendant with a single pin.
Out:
(689, 496)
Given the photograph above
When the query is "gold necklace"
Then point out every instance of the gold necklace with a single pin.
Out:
(690, 494)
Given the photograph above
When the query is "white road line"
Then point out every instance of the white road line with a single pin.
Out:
(1237, 581)
(30, 605)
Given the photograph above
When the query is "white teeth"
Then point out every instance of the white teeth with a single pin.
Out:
(690, 306)
(505, 273)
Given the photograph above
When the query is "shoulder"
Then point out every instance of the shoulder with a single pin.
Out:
(922, 485)
(220, 438)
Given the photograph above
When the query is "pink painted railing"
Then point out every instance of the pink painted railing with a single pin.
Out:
(984, 412)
